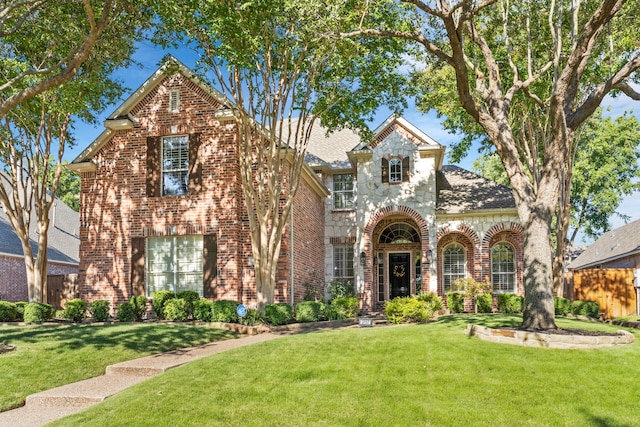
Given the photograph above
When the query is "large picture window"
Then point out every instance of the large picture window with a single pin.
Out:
(503, 268)
(454, 265)
(175, 165)
(174, 263)
(343, 191)
(343, 262)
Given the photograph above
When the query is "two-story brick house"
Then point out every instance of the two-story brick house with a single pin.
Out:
(162, 208)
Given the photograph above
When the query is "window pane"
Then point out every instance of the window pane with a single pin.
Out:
(503, 268)
(454, 265)
(174, 263)
(395, 170)
(175, 165)
(343, 191)
(343, 262)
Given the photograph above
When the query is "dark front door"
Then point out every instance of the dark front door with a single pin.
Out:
(399, 275)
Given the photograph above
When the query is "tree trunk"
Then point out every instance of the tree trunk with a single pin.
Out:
(538, 311)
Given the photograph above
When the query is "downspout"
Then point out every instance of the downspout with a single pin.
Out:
(291, 272)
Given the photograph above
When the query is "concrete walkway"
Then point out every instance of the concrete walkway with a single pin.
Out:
(44, 407)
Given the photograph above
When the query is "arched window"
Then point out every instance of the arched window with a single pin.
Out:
(454, 265)
(503, 268)
(399, 233)
(395, 170)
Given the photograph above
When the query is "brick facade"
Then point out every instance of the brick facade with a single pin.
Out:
(13, 277)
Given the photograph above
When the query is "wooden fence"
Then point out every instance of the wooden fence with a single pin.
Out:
(61, 288)
(612, 288)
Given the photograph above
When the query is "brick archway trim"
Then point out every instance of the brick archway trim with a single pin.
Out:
(464, 229)
(499, 228)
(380, 214)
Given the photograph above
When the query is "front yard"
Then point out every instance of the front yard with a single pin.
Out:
(429, 375)
(50, 356)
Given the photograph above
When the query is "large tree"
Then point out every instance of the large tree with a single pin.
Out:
(55, 61)
(273, 61)
(529, 73)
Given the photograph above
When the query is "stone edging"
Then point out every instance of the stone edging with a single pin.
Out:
(537, 339)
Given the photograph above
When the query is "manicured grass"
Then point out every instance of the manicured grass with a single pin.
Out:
(50, 356)
(411, 375)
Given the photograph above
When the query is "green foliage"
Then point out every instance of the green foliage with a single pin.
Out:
(100, 310)
(510, 303)
(345, 308)
(126, 312)
(20, 305)
(158, 301)
(190, 298)
(76, 310)
(455, 302)
(36, 312)
(139, 305)
(278, 314)
(308, 311)
(341, 289)
(202, 310)
(312, 292)
(561, 306)
(175, 309)
(253, 317)
(407, 309)
(8, 312)
(431, 298)
(484, 303)
(224, 311)
(585, 308)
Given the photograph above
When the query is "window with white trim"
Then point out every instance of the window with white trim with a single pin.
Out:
(175, 165)
(343, 262)
(454, 265)
(503, 268)
(343, 191)
(174, 263)
(395, 170)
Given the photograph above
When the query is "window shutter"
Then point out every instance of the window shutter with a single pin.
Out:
(385, 170)
(210, 268)
(154, 171)
(137, 266)
(195, 165)
(405, 169)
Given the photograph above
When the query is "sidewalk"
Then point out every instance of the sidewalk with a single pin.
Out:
(44, 407)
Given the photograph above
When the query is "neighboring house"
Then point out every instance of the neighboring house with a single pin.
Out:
(62, 254)
(162, 208)
(619, 248)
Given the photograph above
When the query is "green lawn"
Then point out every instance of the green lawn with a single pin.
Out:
(411, 375)
(50, 356)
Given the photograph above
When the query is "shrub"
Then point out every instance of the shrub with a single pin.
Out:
(175, 309)
(8, 312)
(100, 310)
(126, 312)
(455, 302)
(75, 310)
(433, 299)
(510, 303)
(60, 315)
(158, 301)
(202, 310)
(345, 307)
(308, 311)
(36, 312)
(561, 306)
(278, 314)
(20, 310)
(484, 303)
(585, 308)
(224, 311)
(407, 309)
(190, 298)
(341, 289)
(253, 317)
(139, 305)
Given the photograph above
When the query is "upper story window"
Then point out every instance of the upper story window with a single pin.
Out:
(395, 170)
(175, 165)
(343, 191)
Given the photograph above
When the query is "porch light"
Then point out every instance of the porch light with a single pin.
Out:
(363, 258)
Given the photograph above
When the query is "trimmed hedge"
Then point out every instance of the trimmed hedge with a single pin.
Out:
(190, 298)
(158, 301)
(202, 310)
(585, 308)
(344, 308)
(100, 310)
(20, 310)
(76, 310)
(126, 312)
(37, 312)
(8, 312)
(484, 303)
(278, 314)
(224, 311)
(431, 298)
(175, 309)
(561, 306)
(308, 311)
(139, 305)
(510, 303)
(407, 309)
(455, 302)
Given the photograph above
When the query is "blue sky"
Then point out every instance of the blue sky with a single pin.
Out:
(150, 56)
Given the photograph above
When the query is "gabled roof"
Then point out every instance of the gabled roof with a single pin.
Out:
(64, 242)
(459, 191)
(330, 149)
(121, 118)
(615, 244)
